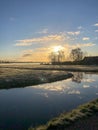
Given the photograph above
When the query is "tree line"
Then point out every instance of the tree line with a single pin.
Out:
(75, 55)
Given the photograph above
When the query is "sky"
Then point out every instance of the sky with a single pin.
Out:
(30, 29)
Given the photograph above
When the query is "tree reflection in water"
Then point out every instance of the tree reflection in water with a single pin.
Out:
(77, 77)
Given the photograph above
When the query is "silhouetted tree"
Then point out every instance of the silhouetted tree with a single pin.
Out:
(57, 57)
(76, 54)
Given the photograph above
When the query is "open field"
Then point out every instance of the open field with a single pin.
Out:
(11, 78)
(85, 117)
(21, 75)
(81, 68)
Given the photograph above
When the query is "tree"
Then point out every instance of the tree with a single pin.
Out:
(57, 57)
(76, 54)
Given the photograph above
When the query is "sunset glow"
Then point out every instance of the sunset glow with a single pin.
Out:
(40, 25)
(57, 48)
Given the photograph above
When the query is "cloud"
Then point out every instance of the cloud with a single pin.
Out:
(79, 45)
(80, 27)
(43, 49)
(88, 45)
(86, 86)
(37, 54)
(85, 38)
(74, 92)
(26, 55)
(42, 53)
(74, 33)
(96, 30)
(88, 80)
(44, 39)
(27, 51)
(23, 44)
(96, 24)
(44, 31)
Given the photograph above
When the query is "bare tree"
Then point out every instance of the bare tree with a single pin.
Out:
(57, 57)
(61, 56)
(52, 57)
(76, 54)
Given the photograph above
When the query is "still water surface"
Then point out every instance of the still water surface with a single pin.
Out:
(21, 108)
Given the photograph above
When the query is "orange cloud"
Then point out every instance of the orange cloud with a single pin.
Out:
(49, 38)
(42, 54)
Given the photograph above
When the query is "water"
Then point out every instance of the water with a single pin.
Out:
(21, 108)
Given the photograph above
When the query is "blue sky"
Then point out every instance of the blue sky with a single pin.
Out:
(29, 29)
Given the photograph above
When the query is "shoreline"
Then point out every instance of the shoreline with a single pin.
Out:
(83, 114)
(17, 78)
(28, 75)
(74, 68)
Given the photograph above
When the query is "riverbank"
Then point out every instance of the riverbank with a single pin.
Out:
(15, 78)
(85, 117)
(74, 68)
(22, 75)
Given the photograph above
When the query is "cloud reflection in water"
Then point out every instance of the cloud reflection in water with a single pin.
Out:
(56, 86)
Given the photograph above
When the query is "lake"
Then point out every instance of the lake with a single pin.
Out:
(21, 108)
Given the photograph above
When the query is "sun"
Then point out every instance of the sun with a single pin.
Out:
(57, 48)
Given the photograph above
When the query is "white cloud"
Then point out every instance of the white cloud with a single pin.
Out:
(80, 45)
(80, 27)
(44, 31)
(86, 86)
(86, 45)
(74, 33)
(85, 38)
(96, 24)
(23, 44)
(96, 30)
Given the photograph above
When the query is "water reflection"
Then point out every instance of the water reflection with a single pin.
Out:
(37, 104)
(77, 77)
(74, 92)
(55, 86)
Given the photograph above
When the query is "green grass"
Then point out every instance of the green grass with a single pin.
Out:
(65, 120)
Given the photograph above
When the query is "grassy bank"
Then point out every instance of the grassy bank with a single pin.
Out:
(21, 75)
(80, 68)
(13, 78)
(72, 120)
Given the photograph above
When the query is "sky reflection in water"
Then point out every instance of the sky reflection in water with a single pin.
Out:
(81, 81)
(34, 105)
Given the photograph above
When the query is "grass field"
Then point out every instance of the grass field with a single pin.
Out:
(81, 68)
(22, 75)
(13, 78)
